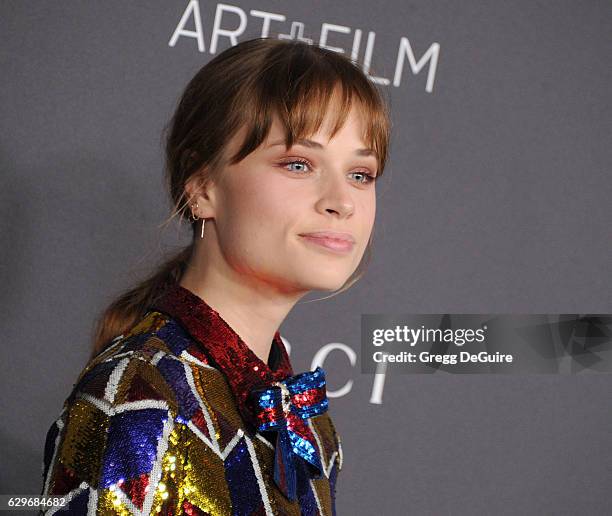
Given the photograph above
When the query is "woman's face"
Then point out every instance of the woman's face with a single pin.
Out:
(265, 203)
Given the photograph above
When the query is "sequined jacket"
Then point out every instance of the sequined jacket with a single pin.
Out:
(158, 423)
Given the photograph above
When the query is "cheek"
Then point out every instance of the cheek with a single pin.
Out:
(255, 216)
(368, 209)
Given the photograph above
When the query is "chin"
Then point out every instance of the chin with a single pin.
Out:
(322, 276)
(327, 285)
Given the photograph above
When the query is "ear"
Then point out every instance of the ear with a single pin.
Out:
(203, 192)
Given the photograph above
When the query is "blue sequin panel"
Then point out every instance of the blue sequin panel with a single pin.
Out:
(174, 336)
(132, 442)
(308, 504)
(241, 480)
(174, 373)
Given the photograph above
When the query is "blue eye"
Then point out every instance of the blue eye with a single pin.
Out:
(301, 161)
(368, 177)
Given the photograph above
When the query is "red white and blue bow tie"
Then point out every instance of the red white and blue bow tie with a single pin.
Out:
(283, 407)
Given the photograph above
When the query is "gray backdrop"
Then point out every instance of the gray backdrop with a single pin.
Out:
(497, 198)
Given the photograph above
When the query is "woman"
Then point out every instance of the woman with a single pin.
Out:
(189, 403)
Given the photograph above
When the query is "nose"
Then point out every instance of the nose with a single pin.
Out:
(336, 196)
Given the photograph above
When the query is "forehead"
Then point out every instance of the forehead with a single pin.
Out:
(352, 129)
(351, 134)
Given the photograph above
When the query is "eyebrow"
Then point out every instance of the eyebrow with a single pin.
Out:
(316, 145)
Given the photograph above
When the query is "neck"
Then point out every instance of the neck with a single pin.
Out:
(254, 311)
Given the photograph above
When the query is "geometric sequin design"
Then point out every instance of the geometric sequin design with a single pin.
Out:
(155, 425)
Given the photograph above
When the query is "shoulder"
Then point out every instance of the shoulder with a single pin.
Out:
(125, 377)
(144, 376)
(152, 362)
(129, 404)
(154, 366)
(155, 336)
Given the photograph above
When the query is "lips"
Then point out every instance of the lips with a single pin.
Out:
(342, 244)
(331, 235)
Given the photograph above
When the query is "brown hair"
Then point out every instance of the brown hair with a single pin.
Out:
(244, 86)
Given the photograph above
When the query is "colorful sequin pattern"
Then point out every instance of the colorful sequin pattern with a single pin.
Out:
(166, 421)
